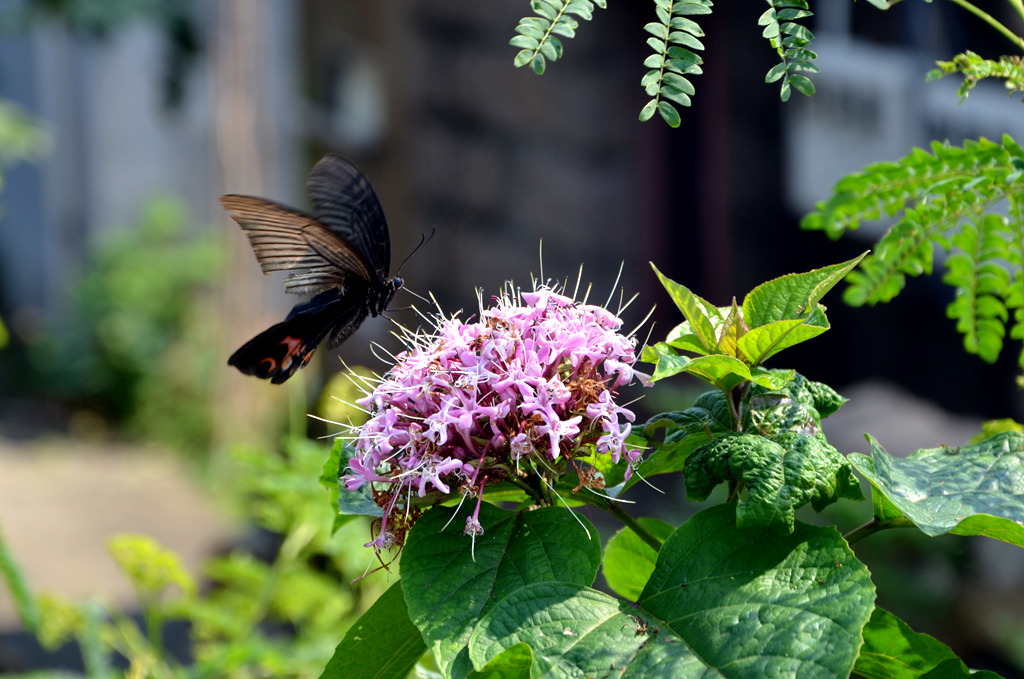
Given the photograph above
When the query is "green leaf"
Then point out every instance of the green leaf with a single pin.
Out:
(763, 342)
(648, 110)
(792, 296)
(524, 41)
(657, 30)
(574, 631)
(699, 313)
(894, 651)
(669, 113)
(780, 473)
(382, 643)
(629, 561)
(969, 490)
(449, 581)
(752, 603)
(684, 432)
(350, 502)
(802, 84)
(513, 663)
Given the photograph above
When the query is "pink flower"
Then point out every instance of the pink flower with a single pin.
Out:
(532, 382)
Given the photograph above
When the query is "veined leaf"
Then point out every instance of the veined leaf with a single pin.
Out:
(382, 643)
(780, 473)
(969, 490)
(894, 651)
(793, 296)
(802, 599)
(450, 579)
(758, 603)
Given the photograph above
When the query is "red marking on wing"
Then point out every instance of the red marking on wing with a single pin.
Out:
(293, 346)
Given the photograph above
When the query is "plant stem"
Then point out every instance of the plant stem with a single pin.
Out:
(1019, 6)
(995, 23)
(631, 523)
(862, 531)
(154, 627)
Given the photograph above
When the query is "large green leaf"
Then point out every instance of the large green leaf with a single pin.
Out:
(722, 602)
(752, 603)
(780, 474)
(969, 490)
(894, 651)
(794, 296)
(382, 643)
(629, 561)
(449, 581)
(573, 631)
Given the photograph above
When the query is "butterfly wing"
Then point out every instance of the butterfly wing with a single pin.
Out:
(284, 239)
(344, 254)
(345, 203)
(280, 350)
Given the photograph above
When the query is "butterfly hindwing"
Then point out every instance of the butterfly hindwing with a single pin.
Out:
(277, 352)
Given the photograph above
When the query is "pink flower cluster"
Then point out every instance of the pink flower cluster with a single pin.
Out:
(534, 380)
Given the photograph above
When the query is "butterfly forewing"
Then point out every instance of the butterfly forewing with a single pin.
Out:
(284, 239)
(345, 203)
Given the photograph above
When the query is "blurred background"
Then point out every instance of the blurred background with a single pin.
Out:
(124, 287)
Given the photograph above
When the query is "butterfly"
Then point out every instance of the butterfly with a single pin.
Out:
(342, 255)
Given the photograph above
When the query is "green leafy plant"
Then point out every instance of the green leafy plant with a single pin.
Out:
(949, 199)
(674, 38)
(537, 34)
(276, 617)
(976, 68)
(962, 200)
(137, 345)
(790, 41)
(744, 588)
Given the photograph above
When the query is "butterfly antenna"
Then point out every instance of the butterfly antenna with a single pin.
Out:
(424, 239)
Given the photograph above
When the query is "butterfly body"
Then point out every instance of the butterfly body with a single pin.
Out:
(342, 255)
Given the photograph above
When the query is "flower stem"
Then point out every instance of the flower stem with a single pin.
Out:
(631, 523)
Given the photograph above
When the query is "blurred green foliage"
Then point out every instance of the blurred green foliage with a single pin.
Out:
(137, 346)
(275, 614)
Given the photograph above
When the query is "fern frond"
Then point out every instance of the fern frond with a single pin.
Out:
(975, 68)
(948, 199)
(674, 39)
(536, 34)
(789, 39)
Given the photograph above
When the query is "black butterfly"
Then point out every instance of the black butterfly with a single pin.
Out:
(343, 255)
